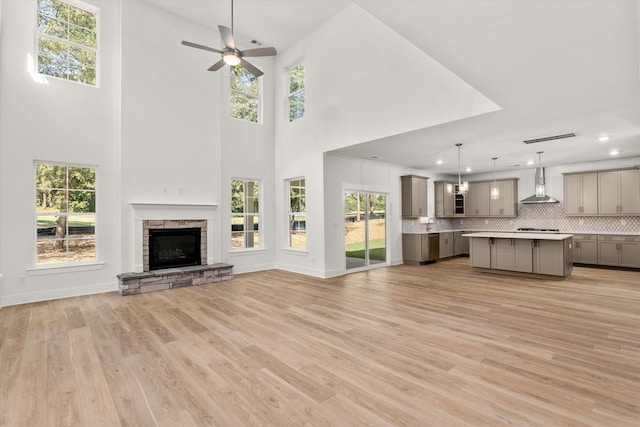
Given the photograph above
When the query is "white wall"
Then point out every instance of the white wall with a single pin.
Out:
(171, 126)
(354, 93)
(248, 152)
(59, 121)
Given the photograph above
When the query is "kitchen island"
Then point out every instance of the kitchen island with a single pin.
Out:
(547, 255)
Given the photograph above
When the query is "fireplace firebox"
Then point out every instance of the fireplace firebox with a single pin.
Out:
(174, 247)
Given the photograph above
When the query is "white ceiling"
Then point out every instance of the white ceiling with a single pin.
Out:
(552, 66)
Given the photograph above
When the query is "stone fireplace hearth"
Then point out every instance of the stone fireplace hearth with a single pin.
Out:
(162, 219)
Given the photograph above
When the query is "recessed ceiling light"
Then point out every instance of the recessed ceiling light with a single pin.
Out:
(614, 152)
(529, 162)
(375, 157)
(439, 162)
(468, 169)
(603, 138)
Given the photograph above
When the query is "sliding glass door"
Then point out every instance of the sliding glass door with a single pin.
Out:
(365, 229)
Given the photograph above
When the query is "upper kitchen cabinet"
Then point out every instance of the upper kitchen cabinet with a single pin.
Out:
(506, 204)
(619, 192)
(443, 200)
(476, 201)
(581, 194)
(414, 196)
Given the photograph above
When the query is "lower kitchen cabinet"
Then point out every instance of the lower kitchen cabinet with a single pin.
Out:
(460, 244)
(585, 248)
(551, 256)
(446, 245)
(480, 252)
(620, 251)
(512, 254)
(415, 248)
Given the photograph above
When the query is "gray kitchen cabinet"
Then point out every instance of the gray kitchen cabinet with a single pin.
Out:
(619, 192)
(512, 255)
(585, 248)
(443, 201)
(414, 196)
(415, 248)
(552, 257)
(460, 244)
(506, 204)
(619, 250)
(581, 194)
(446, 245)
(476, 201)
(480, 252)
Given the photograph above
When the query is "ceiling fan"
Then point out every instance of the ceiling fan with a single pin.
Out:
(230, 54)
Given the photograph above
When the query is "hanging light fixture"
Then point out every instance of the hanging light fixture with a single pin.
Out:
(462, 187)
(495, 191)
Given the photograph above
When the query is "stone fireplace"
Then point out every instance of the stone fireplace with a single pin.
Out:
(173, 247)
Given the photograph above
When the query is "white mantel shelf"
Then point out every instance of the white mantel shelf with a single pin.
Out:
(150, 211)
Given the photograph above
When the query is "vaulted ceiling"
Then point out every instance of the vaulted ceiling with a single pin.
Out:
(553, 67)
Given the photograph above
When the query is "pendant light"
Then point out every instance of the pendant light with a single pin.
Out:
(495, 191)
(462, 187)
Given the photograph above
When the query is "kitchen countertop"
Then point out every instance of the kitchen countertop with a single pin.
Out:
(520, 235)
(612, 233)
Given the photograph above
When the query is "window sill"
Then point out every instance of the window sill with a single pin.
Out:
(296, 251)
(59, 268)
(243, 252)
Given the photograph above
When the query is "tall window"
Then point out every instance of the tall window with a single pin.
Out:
(67, 41)
(297, 213)
(65, 213)
(245, 214)
(296, 92)
(245, 94)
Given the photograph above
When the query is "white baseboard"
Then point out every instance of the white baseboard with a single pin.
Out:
(301, 270)
(58, 294)
(252, 268)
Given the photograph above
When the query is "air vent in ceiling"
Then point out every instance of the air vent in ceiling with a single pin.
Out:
(549, 138)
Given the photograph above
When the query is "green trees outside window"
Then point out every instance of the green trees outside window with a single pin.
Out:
(65, 213)
(296, 92)
(245, 214)
(67, 41)
(297, 213)
(245, 94)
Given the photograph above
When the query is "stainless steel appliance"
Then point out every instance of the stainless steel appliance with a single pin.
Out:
(458, 201)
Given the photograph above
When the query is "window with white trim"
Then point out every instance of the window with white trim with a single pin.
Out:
(296, 92)
(65, 213)
(245, 94)
(297, 213)
(245, 214)
(67, 34)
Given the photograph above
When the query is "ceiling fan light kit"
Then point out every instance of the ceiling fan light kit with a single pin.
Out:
(232, 56)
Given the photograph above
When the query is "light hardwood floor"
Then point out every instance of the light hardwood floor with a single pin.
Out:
(433, 345)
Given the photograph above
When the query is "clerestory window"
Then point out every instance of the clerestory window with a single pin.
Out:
(296, 92)
(67, 35)
(245, 94)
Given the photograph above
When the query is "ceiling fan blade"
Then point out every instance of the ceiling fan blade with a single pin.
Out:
(261, 51)
(251, 68)
(227, 36)
(216, 66)
(199, 46)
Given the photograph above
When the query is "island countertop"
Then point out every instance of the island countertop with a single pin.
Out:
(522, 235)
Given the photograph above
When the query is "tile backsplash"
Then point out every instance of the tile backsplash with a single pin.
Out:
(547, 215)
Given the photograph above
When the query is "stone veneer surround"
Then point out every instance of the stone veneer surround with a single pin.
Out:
(172, 214)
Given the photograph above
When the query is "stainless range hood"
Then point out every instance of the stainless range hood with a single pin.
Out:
(540, 196)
